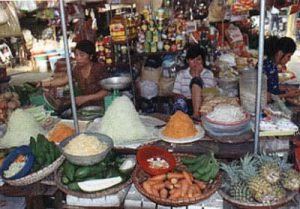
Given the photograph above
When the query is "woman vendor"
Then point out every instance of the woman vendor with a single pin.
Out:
(278, 52)
(86, 74)
(189, 82)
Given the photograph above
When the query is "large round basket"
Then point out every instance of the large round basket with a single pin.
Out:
(109, 191)
(37, 176)
(139, 176)
(249, 205)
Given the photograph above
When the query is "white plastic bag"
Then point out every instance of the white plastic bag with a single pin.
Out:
(3, 14)
(149, 89)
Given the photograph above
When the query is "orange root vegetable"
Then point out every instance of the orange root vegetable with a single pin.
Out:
(201, 184)
(175, 175)
(60, 132)
(184, 187)
(190, 192)
(159, 186)
(163, 193)
(195, 188)
(178, 185)
(147, 187)
(169, 185)
(174, 180)
(176, 194)
(155, 192)
(158, 177)
(20, 159)
(187, 177)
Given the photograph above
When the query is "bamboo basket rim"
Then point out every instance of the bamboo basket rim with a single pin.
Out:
(36, 176)
(93, 195)
(139, 176)
(254, 205)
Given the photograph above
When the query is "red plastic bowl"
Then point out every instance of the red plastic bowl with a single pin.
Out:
(146, 152)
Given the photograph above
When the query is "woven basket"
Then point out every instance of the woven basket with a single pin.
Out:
(66, 190)
(37, 176)
(139, 176)
(253, 205)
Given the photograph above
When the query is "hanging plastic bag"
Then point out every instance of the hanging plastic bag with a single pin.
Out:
(3, 15)
(28, 5)
(12, 26)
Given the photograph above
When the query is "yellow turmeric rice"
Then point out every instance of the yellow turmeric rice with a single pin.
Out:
(180, 126)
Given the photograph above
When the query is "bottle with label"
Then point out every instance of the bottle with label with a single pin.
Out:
(117, 27)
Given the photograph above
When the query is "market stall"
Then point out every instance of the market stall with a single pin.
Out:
(114, 156)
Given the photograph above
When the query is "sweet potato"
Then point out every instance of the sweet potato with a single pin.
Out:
(163, 193)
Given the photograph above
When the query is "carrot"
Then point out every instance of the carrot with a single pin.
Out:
(147, 187)
(158, 186)
(175, 175)
(163, 193)
(174, 180)
(196, 189)
(187, 177)
(169, 185)
(155, 192)
(201, 184)
(20, 159)
(178, 185)
(184, 187)
(158, 177)
(176, 194)
(190, 192)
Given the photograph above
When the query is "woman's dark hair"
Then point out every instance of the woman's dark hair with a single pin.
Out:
(87, 47)
(274, 44)
(194, 51)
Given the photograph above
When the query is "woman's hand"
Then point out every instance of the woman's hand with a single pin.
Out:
(80, 100)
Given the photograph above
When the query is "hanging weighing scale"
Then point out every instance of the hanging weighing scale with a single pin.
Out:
(114, 84)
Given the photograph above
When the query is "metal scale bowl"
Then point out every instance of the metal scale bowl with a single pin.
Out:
(114, 84)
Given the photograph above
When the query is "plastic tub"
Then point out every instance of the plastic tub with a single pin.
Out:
(218, 127)
(42, 66)
(40, 57)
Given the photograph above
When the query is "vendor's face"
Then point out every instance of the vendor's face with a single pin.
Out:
(196, 63)
(82, 58)
(283, 58)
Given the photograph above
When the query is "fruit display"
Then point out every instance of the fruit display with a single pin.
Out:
(113, 170)
(259, 179)
(204, 167)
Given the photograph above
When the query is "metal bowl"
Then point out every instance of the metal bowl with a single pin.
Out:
(90, 112)
(87, 160)
(116, 83)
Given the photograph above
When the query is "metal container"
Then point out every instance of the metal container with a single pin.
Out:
(116, 83)
(87, 160)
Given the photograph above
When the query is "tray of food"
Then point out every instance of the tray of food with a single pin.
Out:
(92, 169)
(181, 129)
(25, 165)
(179, 186)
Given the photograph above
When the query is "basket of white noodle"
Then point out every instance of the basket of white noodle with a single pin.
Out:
(226, 118)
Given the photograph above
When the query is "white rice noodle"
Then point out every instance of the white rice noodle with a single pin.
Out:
(21, 126)
(226, 113)
(122, 123)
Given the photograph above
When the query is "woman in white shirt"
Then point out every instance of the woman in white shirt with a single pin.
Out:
(189, 82)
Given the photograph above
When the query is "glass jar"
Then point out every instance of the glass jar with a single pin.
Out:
(248, 85)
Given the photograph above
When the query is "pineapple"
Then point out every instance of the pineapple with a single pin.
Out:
(240, 191)
(233, 184)
(278, 191)
(270, 171)
(291, 180)
(258, 185)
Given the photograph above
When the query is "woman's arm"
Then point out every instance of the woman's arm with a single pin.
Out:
(61, 81)
(80, 100)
